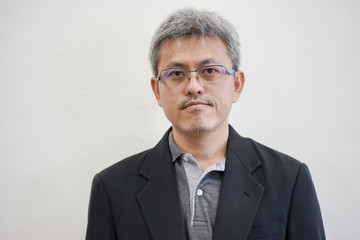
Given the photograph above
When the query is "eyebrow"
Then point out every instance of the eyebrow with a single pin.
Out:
(208, 61)
(202, 63)
(175, 64)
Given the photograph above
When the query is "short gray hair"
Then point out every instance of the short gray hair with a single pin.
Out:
(191, 22)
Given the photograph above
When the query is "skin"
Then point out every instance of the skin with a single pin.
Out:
(198, 112)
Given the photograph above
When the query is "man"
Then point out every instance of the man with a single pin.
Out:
(202, 180)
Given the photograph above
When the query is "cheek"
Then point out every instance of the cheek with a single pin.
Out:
(168, 101)
(225, 97)
(225, 103)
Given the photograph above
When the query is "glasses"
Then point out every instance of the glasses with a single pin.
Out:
(205, 74)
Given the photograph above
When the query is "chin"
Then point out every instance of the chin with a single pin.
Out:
(198, 130)
(195, 126)
(198, 127)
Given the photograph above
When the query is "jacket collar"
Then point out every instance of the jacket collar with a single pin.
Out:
(157, 157)
(237, 145)
(243, 150)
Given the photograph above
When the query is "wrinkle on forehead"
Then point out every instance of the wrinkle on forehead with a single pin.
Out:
(193, 52)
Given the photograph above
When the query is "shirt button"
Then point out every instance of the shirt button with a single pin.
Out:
(199, 192)
(185, 159)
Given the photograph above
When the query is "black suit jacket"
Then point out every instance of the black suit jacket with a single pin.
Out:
(264, 195)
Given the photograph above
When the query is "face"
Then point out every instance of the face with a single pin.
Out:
(196, 107)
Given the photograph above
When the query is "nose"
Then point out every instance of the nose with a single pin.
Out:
(193, 86)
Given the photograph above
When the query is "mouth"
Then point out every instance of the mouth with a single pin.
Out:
(195, 104)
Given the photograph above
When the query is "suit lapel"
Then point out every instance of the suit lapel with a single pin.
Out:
(240, 194)
(239, 200)
(159, 199)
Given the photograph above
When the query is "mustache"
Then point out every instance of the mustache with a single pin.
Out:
(184, 102)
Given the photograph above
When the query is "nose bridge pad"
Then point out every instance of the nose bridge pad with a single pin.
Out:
(196, 75)
(194, 87)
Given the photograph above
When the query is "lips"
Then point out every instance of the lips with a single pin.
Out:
(195, 103)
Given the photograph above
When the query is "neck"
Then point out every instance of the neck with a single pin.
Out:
(206, 147)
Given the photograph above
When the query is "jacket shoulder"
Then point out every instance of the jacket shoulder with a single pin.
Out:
(278, 170)
(127, 168)
(269, 155)
(255, 155)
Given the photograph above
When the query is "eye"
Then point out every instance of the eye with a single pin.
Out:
(176, 74)
(210, 70)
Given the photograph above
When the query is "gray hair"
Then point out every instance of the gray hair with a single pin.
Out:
(191, 22)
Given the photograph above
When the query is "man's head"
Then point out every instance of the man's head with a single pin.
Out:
(194, 23)
(195, 57)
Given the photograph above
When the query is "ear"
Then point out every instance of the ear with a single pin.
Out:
(239, 84)
(155, 88)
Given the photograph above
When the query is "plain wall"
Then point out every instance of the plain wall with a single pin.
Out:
(75, 97)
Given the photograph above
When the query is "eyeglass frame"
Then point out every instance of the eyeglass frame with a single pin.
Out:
(228, 71)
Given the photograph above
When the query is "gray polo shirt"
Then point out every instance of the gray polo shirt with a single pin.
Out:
(198, 191)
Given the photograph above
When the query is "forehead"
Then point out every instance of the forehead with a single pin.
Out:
(193, 52)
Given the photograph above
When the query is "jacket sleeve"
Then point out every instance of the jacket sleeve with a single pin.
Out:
(100, 220)
(304, 220)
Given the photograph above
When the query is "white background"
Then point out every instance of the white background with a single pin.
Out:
(75, 97)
